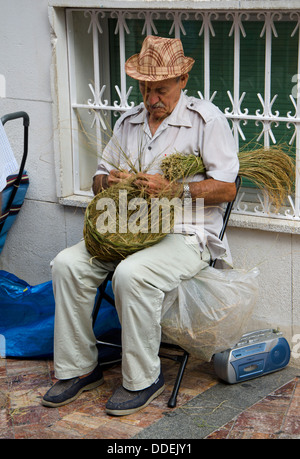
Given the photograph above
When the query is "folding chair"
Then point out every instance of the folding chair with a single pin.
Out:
(14, 193)
(182, 358)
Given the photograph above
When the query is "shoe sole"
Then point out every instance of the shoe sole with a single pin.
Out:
(69, 400)
(134, 410)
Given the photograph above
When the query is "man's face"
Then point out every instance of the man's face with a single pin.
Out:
(161, 97)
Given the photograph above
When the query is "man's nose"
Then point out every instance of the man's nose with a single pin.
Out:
(152, 98)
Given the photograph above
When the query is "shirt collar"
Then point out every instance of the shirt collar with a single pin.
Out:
(180, 116)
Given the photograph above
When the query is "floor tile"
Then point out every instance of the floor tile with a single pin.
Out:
(22, 416)
(275, 416)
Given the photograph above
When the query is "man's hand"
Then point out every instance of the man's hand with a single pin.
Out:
(103, 181)
(116, 176)
(156, 185)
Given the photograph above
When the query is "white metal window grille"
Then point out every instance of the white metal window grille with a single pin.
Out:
(239, 81)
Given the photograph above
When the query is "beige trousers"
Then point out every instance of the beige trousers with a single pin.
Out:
(139, 283)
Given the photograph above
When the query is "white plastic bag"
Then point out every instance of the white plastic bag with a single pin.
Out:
(209, 313)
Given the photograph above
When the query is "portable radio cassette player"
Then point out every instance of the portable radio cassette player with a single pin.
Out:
(257, 353)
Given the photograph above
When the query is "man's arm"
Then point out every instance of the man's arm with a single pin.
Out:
(213, 191)
(100, 182)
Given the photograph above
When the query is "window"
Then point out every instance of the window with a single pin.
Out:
(247, 63)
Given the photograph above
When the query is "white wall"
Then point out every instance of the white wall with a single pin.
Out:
(44, 226)
(277, 256)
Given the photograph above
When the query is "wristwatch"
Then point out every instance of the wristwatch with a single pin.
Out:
(186, 191)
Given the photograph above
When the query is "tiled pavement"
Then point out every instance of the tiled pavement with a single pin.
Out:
(266, 408)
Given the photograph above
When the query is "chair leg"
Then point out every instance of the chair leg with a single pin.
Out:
(102, 295)
(173, 399)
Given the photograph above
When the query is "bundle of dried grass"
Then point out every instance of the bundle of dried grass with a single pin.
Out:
(270, 169)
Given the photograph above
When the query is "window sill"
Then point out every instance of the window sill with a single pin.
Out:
(75, 201)
(276, 225)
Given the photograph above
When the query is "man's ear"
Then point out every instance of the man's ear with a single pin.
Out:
(183, 80)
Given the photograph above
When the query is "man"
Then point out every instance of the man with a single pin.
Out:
(166, 122)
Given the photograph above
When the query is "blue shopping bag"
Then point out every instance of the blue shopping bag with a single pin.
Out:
(27, 318)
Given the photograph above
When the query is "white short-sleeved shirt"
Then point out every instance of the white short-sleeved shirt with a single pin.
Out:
(8, 164)
(194, 127)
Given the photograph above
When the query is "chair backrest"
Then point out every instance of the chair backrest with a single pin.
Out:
(227, 213)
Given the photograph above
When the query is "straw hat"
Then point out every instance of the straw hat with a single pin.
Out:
(159, 59)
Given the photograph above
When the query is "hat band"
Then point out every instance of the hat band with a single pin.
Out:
(153, 70)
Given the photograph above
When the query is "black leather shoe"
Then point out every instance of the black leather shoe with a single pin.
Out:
(68, 390)
(125, 401)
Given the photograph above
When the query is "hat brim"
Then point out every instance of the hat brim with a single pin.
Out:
(147, 73)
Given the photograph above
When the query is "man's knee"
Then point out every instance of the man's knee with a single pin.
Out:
(126, 274)
(63, 262)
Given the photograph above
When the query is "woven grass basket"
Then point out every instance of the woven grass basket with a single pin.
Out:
(119, 241)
